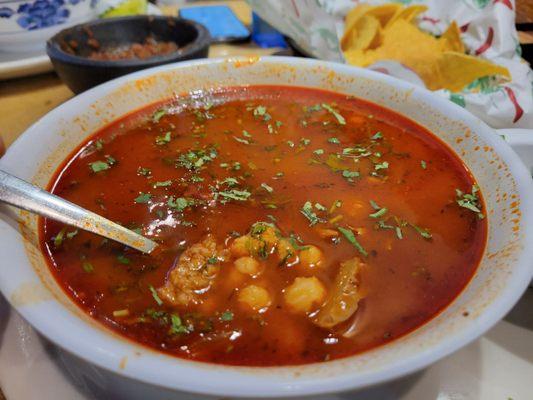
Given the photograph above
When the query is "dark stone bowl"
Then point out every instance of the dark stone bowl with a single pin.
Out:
(70, 48)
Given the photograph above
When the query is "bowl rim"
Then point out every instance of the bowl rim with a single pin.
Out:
(211, 379)
(54, 51)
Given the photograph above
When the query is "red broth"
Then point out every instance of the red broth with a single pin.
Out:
(258, 195)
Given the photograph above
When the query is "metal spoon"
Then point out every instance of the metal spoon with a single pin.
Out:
(24, 195)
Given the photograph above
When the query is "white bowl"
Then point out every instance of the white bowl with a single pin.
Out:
(26, 25)
(504, 272)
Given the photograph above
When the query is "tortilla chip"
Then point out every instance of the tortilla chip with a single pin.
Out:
(405, 43)
(385, 12)
(387, 32)
(452, 39)
(407, 14)
(362, 34)
(457, 70)
(353, 16)
(356, 57)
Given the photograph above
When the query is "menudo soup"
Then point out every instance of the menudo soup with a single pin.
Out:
(296, 225)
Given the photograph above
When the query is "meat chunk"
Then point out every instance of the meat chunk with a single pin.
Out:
(194, 273)
(343, 299)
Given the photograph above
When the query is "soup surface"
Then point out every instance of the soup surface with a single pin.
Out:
(296, 226)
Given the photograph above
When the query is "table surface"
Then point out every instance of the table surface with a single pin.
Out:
(23, 101)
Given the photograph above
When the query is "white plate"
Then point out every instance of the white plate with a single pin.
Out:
(17, 65)
(498, 366)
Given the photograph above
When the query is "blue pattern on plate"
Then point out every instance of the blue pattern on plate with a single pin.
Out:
(41, 13)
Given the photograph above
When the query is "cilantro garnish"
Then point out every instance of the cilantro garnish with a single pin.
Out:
(196, 159)
(269, 189)
(470, 201)
(87, 267)
(261, 112)
(226, 316)
(143, 198)
(180, 203)
(163, 184)
(234, 194)
(241, 140)
(121, 258)
(144, 171)
(350, 236)
(307, 211)
(383, 165)
(339, 117)
(99, 166)
(162, 140)
(156, 116)
(176, 325)
(155, 296)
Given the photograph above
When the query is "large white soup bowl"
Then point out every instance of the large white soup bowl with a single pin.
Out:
(504, 272)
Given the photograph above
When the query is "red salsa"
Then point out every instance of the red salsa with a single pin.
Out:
(295, 226)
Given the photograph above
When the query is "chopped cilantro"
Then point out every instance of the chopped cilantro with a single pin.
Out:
(377, 135)
(196, 159)
(163, 184)
(349, 175)
(318, 152)
(470, 201)
(334, 140)
(381, 212)
(234, 194)
(340, 118)
(305, 141)
(71, 234)
(98, 166)
(99, 144)
(110, 160)
(267, 188)
(161, 140)
(320, 207)
(143, 198)
(156, 296)
(241, 140)
(290, 143)
(383, 165)
(226, 316)
(307, 211)
(246, 133)
(58, 239)
(261, 112)
(121, 258)
(399, 232)
(180, 203)
(425, 233)
(156, 116)
(230, 181)
(423, 164)
(176, 325)
(87, 267)
(350, 236)
(144, 171)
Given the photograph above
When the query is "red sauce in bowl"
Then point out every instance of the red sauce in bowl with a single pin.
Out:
(296, 226)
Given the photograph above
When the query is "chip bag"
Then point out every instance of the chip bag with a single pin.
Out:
(464, 50)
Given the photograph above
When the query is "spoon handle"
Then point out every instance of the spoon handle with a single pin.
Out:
(21, 194)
